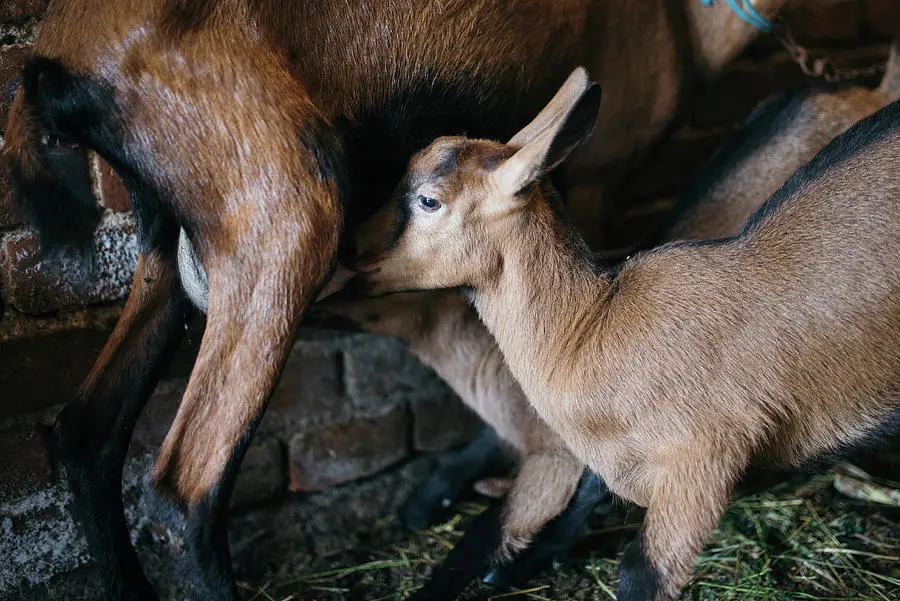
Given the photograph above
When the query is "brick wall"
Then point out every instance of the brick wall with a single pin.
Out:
(354, 410)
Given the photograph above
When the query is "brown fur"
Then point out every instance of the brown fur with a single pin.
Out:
(450, 339)
(694, 361)
(721, 207)
(221, 164)
(238, 121)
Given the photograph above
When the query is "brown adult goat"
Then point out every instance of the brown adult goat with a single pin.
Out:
(674, 374)
(780, 136)
(252, 126)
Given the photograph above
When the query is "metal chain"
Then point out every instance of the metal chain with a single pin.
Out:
(820, 67)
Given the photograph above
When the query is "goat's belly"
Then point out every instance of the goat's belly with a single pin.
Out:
(192, 274)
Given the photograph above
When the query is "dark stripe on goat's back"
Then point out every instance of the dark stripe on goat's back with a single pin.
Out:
(872, 129)
(768, 120)
(845, 146)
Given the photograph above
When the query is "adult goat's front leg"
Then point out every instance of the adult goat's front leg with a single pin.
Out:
(92, 433)
(256, 300)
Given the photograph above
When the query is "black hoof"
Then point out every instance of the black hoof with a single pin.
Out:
(421, 512)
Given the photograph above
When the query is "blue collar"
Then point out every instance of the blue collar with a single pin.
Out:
(744, 9)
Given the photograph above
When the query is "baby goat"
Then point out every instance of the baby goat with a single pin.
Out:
(674, 374)
(456, 345)
(778, 138)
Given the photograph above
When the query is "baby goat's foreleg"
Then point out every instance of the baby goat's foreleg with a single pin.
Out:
(430, 502)
(556, 538)
(689, 497)
(92, 433)
(543, 489)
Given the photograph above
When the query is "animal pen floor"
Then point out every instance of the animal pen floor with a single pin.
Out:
(801, 541)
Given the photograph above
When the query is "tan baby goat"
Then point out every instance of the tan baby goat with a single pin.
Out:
(676, 373)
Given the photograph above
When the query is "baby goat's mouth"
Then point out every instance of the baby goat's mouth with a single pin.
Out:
(364, 284)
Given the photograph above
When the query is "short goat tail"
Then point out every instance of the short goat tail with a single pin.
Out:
(50, 183)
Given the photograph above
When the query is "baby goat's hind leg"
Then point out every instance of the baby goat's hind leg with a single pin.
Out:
(429, 503)
(689, 498)
(257, 296)
(92, 433)
(555, 540)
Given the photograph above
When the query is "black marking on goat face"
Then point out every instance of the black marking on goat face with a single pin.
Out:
(403, 211)
(448, 162)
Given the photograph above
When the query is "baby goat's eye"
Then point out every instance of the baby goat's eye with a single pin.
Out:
(428, 204)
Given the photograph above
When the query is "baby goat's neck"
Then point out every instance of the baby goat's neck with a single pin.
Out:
(544, 306)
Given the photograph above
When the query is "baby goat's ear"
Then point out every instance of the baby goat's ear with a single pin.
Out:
(563, 125)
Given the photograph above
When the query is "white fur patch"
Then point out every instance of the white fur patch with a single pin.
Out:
(193, 275)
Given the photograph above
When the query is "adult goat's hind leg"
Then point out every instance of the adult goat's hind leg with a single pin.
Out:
(92, 433)
(257, 296)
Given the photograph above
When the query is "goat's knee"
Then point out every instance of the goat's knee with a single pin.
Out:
(555, 537)
(543, 489)
(688, 500)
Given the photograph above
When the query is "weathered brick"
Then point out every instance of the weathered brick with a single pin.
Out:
(70, 342)
(19, 10)
(882, 17)
(442, 422)
(346, 451)
(29, 346)
(310, 392)
(112, 192)
(12, 58)
(24, 462)
(379, 369)
(820, 21)
(261, 477)
(34, 285)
